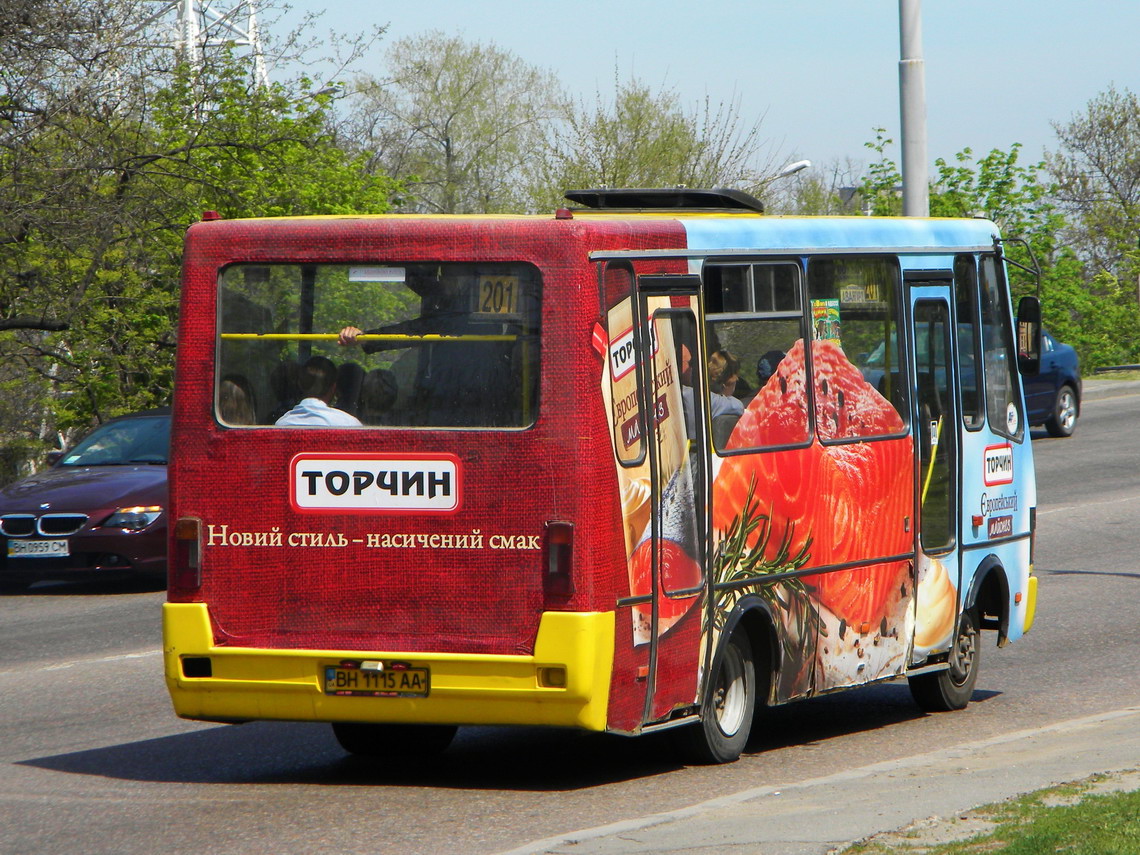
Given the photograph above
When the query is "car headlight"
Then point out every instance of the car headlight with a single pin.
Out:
(134, 519)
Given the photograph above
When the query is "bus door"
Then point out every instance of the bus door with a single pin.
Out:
(937, 451)
(668, 308)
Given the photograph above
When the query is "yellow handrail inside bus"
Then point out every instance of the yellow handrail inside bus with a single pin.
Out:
(930, 468)
(429, 337)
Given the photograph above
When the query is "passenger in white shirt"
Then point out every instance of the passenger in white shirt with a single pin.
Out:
(317, 380)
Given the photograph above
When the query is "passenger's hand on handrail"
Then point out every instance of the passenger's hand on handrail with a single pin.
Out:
(348, 336)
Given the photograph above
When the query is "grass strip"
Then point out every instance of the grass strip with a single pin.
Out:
(1076, 819)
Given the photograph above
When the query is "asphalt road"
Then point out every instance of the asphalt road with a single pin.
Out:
(95, 762)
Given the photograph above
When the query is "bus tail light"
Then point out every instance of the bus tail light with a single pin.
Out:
(186, 562)
(558, 558)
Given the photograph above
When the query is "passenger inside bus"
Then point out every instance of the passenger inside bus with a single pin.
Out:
(457, 382)
(285, 391)
(724, 408)
(349, 378)
(317, 382)
(235, 401)
(378, 395)
(766, 366)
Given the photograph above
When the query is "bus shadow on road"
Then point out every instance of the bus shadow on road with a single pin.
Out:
(525, 759)
(842, 714)
(537, 759)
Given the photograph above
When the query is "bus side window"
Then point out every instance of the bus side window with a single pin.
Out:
(966, 296)
(856, 315)
(754, 314)
(1003, 398)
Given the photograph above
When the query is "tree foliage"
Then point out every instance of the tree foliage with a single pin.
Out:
(646, 138)
(1097, 170)
(1095, 314)
(456, 121)
(104, 162)
(471, 128)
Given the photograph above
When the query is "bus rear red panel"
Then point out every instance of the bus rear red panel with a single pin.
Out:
(463, 577)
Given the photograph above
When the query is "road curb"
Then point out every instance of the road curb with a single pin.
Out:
(1099, 390)
(819, 815)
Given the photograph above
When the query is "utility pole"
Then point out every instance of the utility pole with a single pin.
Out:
(912, 106)
(202, 24)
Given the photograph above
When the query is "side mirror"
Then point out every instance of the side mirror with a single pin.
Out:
(1029, 336)
(53, 457)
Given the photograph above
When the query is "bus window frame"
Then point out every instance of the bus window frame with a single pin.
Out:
(979, 411)
(606, 303)
(800, 315)
(950, 446)
(902, 339)
(308, 271)
(1016, 395)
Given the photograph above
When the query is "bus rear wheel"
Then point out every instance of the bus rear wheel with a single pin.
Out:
(393, 740)
(726, 717)
(951, 689)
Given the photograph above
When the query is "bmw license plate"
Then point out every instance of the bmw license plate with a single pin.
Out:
(394, 680)
(38, 548)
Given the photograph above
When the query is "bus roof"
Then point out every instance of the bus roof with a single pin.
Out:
(705, 231)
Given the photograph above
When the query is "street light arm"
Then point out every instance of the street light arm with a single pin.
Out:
(792, 169)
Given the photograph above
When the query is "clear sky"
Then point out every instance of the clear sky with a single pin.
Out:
(822, 74)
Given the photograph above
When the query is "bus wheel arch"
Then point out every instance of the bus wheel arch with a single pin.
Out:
(738, 682)
(952, 688)
(988, 598)
(753, 615)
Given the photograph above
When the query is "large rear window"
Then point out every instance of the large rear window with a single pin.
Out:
(441, 345)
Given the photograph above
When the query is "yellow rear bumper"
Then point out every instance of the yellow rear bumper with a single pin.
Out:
(1030, 603)
(248, 684)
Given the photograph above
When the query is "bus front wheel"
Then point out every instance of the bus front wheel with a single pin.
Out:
(393, 740)
(726, 717)
(951, 689)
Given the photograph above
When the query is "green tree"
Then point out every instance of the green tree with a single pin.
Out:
(102, 166)
(1095, 314)
(1017, 198)
(831, 189)
(213, 141)
(647, 138)
(1097, 170)
(882, 185)
(455, 121)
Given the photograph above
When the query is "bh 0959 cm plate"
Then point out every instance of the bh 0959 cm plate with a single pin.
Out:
(38, 548)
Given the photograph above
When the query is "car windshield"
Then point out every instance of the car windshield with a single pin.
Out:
(124, 441)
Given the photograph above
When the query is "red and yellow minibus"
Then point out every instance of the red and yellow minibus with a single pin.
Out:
(653, 461)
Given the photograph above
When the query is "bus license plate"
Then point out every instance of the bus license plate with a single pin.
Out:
(38, 549)
(389, 683)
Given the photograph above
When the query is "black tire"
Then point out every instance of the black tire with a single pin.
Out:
(951, 689)
(1065, 411)
(730, 702)
(393, 740)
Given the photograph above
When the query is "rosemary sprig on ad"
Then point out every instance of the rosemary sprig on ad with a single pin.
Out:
(735, 561)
